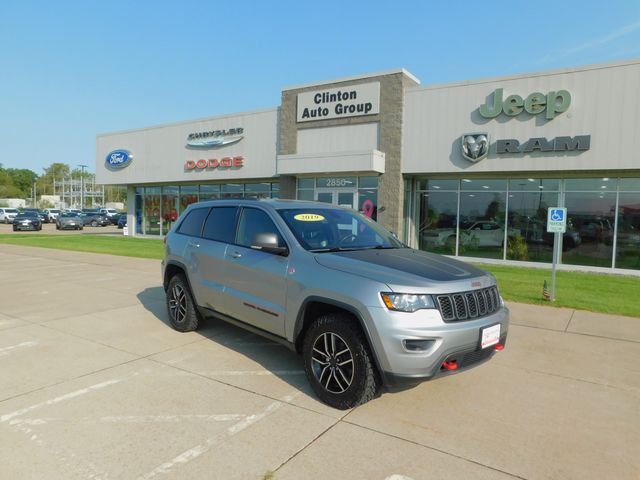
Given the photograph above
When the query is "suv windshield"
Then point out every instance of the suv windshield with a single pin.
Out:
(331, 230)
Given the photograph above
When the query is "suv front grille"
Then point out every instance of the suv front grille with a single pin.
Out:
(468, 305)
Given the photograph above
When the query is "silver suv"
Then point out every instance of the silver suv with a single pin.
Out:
(363, 309)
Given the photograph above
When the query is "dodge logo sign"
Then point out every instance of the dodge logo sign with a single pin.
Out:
(475, 146)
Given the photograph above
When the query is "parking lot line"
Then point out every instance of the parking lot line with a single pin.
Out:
(7, 350)
(197, 450)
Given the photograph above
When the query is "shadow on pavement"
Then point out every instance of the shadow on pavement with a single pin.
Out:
(274, 358)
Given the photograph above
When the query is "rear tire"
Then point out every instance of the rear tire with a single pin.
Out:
(94, 223)
(181, 308)
(338, 362)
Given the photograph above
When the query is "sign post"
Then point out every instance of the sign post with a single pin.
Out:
(556, 224)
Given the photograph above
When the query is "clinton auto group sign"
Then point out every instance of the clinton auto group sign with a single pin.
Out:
(343, 102)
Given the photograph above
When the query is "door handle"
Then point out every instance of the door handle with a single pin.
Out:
(236, 255)
(194, 244)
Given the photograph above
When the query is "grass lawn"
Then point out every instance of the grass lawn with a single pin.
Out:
(116, 245)
(585, 291)
(596, 292)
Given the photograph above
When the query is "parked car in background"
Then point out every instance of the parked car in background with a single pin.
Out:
(52, 214)
(43, 218)
(29, 220)
(8, 214)
(69, 221)
(122, 220)
(483, 233)
(112, 214)
(94, 219)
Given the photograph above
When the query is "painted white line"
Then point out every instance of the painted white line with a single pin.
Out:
(224, 417)
(252, 373)
(396, 476)
(197, 450)
(7, 350)
(62, 398)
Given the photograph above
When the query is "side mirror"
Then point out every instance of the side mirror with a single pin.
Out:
(268, 242)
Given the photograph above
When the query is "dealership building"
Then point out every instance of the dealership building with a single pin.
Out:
(467, 169)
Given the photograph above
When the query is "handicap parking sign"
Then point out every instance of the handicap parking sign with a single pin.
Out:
(557, 220)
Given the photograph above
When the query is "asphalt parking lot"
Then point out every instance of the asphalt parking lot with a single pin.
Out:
(95, 384)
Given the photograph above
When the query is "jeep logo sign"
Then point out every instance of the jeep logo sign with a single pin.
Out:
(553, 103)
(118, 159)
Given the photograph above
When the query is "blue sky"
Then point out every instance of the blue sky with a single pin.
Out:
(70, 70)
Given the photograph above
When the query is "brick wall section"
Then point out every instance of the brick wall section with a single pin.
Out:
(391, 188)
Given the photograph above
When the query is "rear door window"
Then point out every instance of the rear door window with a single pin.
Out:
(192, 224)
(221, 224)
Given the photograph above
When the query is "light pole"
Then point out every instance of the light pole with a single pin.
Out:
(82, 186)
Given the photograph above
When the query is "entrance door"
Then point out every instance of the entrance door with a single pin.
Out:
(345, 197)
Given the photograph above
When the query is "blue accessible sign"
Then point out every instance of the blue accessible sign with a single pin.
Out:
(556, 220)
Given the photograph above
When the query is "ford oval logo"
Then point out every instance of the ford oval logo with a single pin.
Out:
(118, 159)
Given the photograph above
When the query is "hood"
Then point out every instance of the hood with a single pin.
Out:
(407, 268)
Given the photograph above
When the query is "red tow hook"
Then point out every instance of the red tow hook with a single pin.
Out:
(499, 346)
(450, 365)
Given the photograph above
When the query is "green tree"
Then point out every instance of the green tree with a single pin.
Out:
(56, 171)
(22, 179)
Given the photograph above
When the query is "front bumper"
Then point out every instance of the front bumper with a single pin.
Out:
(394, 333)
(26, 227)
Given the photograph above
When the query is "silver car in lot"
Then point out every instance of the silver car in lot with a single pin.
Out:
(69, 221)
(363, 309)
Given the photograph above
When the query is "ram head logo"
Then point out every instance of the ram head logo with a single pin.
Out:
(475, 146)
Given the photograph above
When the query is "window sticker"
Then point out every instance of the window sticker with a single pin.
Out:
(308, 217)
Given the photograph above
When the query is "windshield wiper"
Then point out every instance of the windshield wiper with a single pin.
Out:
(350, 249)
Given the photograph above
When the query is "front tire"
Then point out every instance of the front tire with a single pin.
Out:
(338, 363)
(181, 308)
(94, 223)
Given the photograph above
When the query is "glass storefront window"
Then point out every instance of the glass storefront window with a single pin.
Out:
(628, 242)
(528, 239)
(534, 184)
(368, 182)
(591, 215)
(305, 194)
(368, 202)
(209, 192)
(188, 195)
(438, 185)
(257, 190)
(151, 211)
(590, 184)
(482, 222)
(139, 200)
(275, 190)
(436, 226)
(630, 184)
(170, 207)
(306, 183)
(232, 190)
(483, 184)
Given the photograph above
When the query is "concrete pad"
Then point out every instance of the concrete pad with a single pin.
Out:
(44, 302)
(527, 424)
(7, 322)
(590, 359)
(349, 451)
(132, 329)
(549, 318)
(33, 357)
(146, 420)
(609, 326)
(236, 357)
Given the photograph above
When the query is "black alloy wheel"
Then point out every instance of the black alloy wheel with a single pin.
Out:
(338, 362)
(181, 308)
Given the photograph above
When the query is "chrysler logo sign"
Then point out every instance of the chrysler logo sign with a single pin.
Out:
(215, 138)
(475, 146)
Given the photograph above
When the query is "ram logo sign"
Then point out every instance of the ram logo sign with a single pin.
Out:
(118, 159)
(475, 146)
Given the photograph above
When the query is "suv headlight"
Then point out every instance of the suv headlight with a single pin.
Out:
(407, 302)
